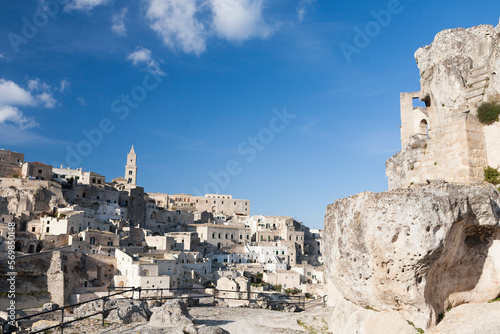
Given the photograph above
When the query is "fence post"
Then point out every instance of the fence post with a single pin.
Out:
(103, 308)
(161, 295)
(62, 319)
(139, 293)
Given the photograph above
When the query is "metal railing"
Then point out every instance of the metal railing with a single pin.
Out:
(191, 295)
(7, 328)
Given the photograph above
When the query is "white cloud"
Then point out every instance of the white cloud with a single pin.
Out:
(144, 56)
(65, 84)
(2, 56)
(186, 24)
(44, 97)
(176, 23)
(302, 9)
(14, 115)
(12, 135)
(238, 20)
(84, 5)
(118, 21)
(46, 100)
(36, 85)
(12, 95)
(301, 12)
(81, 100)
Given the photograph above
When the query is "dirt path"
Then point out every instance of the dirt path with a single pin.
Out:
(234, 320)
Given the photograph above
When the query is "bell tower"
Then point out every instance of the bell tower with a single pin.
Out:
(131, 167)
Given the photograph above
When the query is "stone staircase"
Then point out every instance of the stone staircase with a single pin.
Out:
(479, 79)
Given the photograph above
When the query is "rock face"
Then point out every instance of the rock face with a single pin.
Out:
(471, 318)
(411, 253)
(128, 311)
(459, 71)
(18, 196)
(172, 313)
(42, 324)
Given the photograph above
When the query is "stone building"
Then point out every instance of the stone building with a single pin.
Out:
(95, 242)
(234, 289)
(185, 241)
(221, 204)
(161, 243)
(10, 163)
(36, 170)
(147, 271)
(79, 176)
(131, 167)
(220, 235)
(444, 140)
(286, 278)
(70, 220)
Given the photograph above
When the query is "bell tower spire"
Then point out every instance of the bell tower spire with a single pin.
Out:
(131, 167)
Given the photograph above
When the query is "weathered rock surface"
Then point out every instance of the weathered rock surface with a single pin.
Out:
(50, 307)
(445, 66)
(411, 253)
(18, 196)
(128, 311)
(459, 71)
(172, 313)
(42, 324)
(470, 319)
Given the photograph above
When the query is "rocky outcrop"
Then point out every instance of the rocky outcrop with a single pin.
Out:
(172, 313)
(42, 324)
(411, 253)
(127, 311)
(459, 71)
(20, 196)
(460, 67)
(470, 318)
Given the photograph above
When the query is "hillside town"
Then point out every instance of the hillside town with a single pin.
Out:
(101, 234)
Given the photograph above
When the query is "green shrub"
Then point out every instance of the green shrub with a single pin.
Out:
(277, 288)
(209, 284)
(492, 175)
(293, 291)
(488, 113)
(495, 300)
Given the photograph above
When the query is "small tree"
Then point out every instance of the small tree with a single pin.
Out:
(492, 175)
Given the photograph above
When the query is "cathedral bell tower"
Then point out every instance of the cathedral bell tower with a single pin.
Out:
(131, 167)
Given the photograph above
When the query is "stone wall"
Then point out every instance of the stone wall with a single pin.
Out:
(445, 140)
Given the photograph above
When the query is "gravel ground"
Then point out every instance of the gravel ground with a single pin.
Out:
(234, 320)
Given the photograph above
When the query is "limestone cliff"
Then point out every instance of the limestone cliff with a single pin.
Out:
(18, 197)
(411, 254)
(459, 71)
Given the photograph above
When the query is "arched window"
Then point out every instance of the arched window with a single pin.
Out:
(145, 272)
(424, 128)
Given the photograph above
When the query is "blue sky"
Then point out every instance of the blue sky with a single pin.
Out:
(197, 85)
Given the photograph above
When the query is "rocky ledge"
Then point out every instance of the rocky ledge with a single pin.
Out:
(408, 255)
